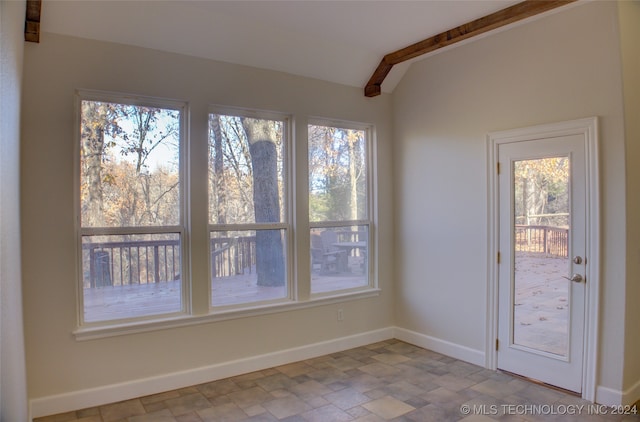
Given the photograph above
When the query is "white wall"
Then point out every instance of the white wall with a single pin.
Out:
(629, 15)
(61, 369)
(559, 67)
(13, 389)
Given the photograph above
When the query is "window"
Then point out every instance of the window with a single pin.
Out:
(134, 266)
(248, 208)
(131, 207)
(339, 207)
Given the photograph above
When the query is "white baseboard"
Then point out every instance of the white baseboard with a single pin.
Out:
(604, 395)
(608, 396)
(611, 397)
(467, 354)
(82, 399)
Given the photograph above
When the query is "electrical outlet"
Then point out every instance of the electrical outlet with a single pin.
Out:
(340, 315)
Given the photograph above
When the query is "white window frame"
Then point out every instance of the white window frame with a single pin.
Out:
(296, 224)
(286, 224)
(180, 228)
(372, 278)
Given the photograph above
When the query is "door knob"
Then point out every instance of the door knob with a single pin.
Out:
(576, 278)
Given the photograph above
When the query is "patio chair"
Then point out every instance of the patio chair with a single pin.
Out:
(323, 253)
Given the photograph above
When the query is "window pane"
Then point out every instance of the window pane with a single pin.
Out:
(127, 276)
(337, 174)
(129, 165)
(247, 266)
(246, 172)
(339, 258)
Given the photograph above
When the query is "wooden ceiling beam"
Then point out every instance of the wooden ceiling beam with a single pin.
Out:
(476, 27)
(32, 21)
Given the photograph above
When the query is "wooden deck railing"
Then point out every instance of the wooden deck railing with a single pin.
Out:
(548, 240)
(144, 262)
(126, 263)
(232, 255)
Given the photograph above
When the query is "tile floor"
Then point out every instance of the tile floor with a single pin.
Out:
(386, 381)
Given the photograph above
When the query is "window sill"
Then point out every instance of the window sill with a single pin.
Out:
(163, 323)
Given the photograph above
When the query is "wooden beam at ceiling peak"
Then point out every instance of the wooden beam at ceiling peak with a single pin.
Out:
(517, 12)
(32, 21)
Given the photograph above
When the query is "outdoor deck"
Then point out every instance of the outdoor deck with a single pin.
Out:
(541, 298)
(541, 314)
(541, 311)
(130, 301)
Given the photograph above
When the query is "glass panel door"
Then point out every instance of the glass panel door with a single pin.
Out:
(542, 231)
(541, 225)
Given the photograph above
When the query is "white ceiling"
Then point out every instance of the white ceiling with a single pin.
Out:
(337, 41)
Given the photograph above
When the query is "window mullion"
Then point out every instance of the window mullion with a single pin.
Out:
(342, 223)
(130, 230)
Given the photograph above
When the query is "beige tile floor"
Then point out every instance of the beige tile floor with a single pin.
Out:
(386, 381)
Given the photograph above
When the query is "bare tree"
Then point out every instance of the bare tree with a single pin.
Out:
(119, 188)
(337, 174)
(261, 136)
(542, 190)
(98, 120)
(218, 169)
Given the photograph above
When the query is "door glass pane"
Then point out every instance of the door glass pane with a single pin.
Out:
(541, 249)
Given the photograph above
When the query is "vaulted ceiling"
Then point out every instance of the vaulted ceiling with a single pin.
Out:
(337, 41)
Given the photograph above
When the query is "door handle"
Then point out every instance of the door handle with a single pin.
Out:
(576, 278)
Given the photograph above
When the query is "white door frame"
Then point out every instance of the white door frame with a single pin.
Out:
(588, 128)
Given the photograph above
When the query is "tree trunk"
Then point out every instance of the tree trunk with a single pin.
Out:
(218, 170)
(352, 139)
(93, 131)
(266, 202)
